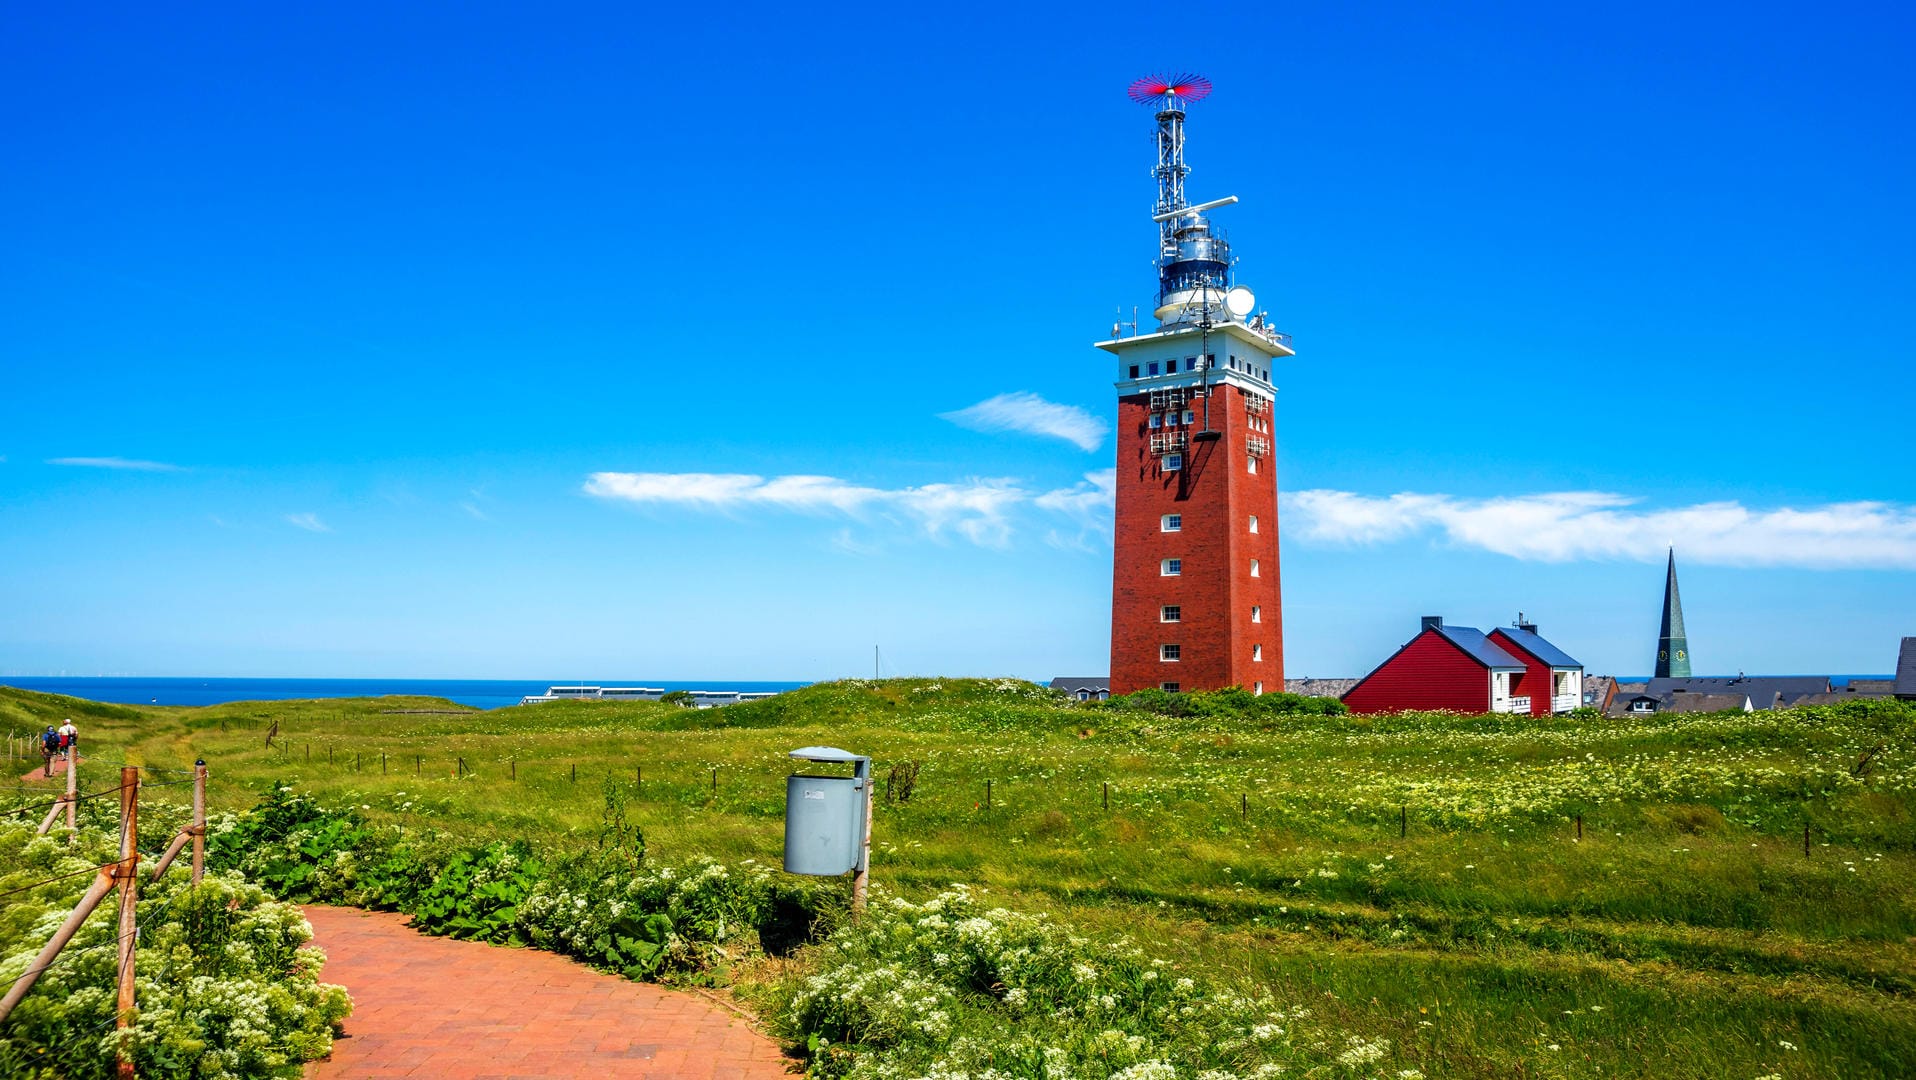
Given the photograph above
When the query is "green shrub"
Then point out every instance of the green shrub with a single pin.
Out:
(952, 987)
(225, 983)
(603, 905)
(1230, 703)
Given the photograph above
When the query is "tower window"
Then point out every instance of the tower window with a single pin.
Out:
(1173, 462)
(1157, 420)
(1253, 522)
(1152, 367)
(1171, 567)
(1171, 686)
(1170, 613)
(1210, 360)
(1257, 652)
(1171, 523)
(1167, 653)
(1134, 371)
(1250, 464)
(1257, 613)
(1189, 416)
(1257, 689)
(1190, 363)
(1253, 567)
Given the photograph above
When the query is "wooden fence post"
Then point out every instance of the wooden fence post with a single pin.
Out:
(129, 876)
(987, 794)
(199, 820)
(1107, 794)
(73, 789)
(575, 772)
(1403, 822)
(102, 884)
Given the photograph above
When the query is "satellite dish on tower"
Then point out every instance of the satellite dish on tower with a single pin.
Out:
(1239, 301)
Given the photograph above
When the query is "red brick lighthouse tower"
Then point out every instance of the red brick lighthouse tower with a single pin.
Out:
(1194, 597)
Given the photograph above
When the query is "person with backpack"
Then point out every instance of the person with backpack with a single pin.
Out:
(69, 740)
(49, 746)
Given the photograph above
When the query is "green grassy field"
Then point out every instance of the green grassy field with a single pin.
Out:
(1414, 878)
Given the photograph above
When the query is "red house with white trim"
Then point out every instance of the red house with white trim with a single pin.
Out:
(1509, 670)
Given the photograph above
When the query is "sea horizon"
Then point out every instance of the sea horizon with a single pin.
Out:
(220, 690)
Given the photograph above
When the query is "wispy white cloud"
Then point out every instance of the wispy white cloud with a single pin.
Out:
(471, 505)
(115, 463)
(309, 522)
(1577, 525)
(975, 509)
(1089, 504)
(1033, 415)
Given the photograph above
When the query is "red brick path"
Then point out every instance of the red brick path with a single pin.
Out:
(434, 1007)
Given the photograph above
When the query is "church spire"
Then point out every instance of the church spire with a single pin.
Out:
(1673, 647)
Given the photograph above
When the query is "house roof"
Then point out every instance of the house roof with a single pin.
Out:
(1478, 647)
(1871, 687)
(1536, 646)
(1701, 703)
(1764, 691)
(1319, 687)
(1599, 689)
(1835, 697)
(1071, 684)
(1906, 669)
(1682, 703)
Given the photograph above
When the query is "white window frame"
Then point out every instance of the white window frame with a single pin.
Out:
(1170, 567)
(1257, 653)
(1257, 613)
(1171, 523)
(1250, 463)
(1170, 613)
(1254, 568)
(1254, 523)
(1157, 421)
(1170, 653)
(1257, 689)
(1173, 462)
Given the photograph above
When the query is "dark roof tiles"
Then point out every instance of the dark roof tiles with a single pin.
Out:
(1478, 647)
(1538, 647)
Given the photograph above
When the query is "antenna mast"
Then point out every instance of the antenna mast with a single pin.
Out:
(1170, 93)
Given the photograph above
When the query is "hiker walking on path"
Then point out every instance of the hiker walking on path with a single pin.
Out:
(49, 746)
(69, 740)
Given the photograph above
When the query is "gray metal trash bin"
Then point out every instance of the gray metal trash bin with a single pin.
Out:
(825, 815)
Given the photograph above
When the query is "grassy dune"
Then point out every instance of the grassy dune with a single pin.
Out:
(1414, 878)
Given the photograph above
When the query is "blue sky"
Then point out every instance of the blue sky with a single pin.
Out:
(603, 341)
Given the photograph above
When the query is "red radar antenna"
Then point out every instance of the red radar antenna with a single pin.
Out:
(1153, 89)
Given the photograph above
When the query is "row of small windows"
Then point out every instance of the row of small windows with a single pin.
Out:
(1175, 613)
(1173, 418)
(1256, 688)
(1175, 523)
(1175, 568)
(1171, 654)
(1170, 367)
(1174, 462)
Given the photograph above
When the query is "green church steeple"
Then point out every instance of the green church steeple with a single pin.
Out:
(1673, 647)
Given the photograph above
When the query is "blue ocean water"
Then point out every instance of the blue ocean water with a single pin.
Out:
(482, 693)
